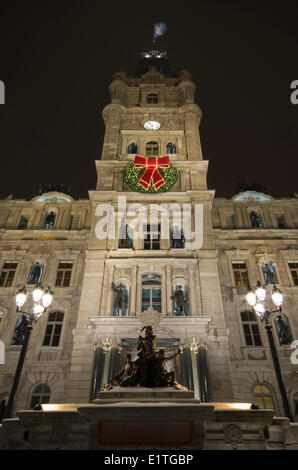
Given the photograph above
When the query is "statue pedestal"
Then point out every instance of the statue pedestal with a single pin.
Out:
(146, 418)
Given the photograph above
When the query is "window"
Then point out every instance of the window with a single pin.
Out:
(7, 274)
(152, 98)
(63, 274)
(132, 148)
(230, 221)
(74, 222)
(263, 397)
(151, 292)
(293, 265)
(151, 237)
(53, 329)
(152, 149)
(251, 329)
(281, 221)
(240, 273)
(23, 223)
(41, 394)
(255, 220)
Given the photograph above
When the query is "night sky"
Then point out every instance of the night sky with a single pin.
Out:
(57, 60)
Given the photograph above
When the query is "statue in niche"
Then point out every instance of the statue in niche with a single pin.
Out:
(132, 148)
(50, 220)
(269, 273)
(180, 302)
(255, 220)
(120, 300)
(171, 148)
(283, 331)
(35, 273)
(148, 370)
(177, 238)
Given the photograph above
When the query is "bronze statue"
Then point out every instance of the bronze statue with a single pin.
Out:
(148, 370)
(119, 300)
(283, 330)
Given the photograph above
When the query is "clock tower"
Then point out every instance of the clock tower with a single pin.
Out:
(143, 269)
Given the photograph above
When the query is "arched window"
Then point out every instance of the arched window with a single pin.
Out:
(263, 397)
(35, 273)
(41, 394)
(152, 149)
(151, 292)
(171, 148)
(132, 148)
(152, 98)
(49, 220)
(255, 220)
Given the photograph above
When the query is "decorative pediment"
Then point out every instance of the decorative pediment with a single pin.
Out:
(153, 76)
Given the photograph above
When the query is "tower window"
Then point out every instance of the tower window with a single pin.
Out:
(7, 274)
(251, 329)
(64, 274)
(152, 149)
(152, 98)
(53, 329)
(240, 273)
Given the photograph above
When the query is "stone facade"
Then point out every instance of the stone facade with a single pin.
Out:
(222, 364)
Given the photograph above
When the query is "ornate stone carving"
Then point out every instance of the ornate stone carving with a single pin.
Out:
(59, 434)
(233, 434)
(150, 317)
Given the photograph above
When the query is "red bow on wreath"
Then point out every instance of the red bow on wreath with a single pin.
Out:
(151, 164)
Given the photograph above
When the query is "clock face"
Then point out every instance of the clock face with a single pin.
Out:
(152, 125)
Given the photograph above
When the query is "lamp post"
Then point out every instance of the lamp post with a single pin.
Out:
(42, 299)
(256, 299)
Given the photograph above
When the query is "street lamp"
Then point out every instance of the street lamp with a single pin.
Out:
(256, 299)
(42, 299)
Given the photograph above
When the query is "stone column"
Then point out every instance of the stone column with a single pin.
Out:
(133, 291)
(169, 309)
(192, 291)
(194, 348)
(108, 291)
(107, 347)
